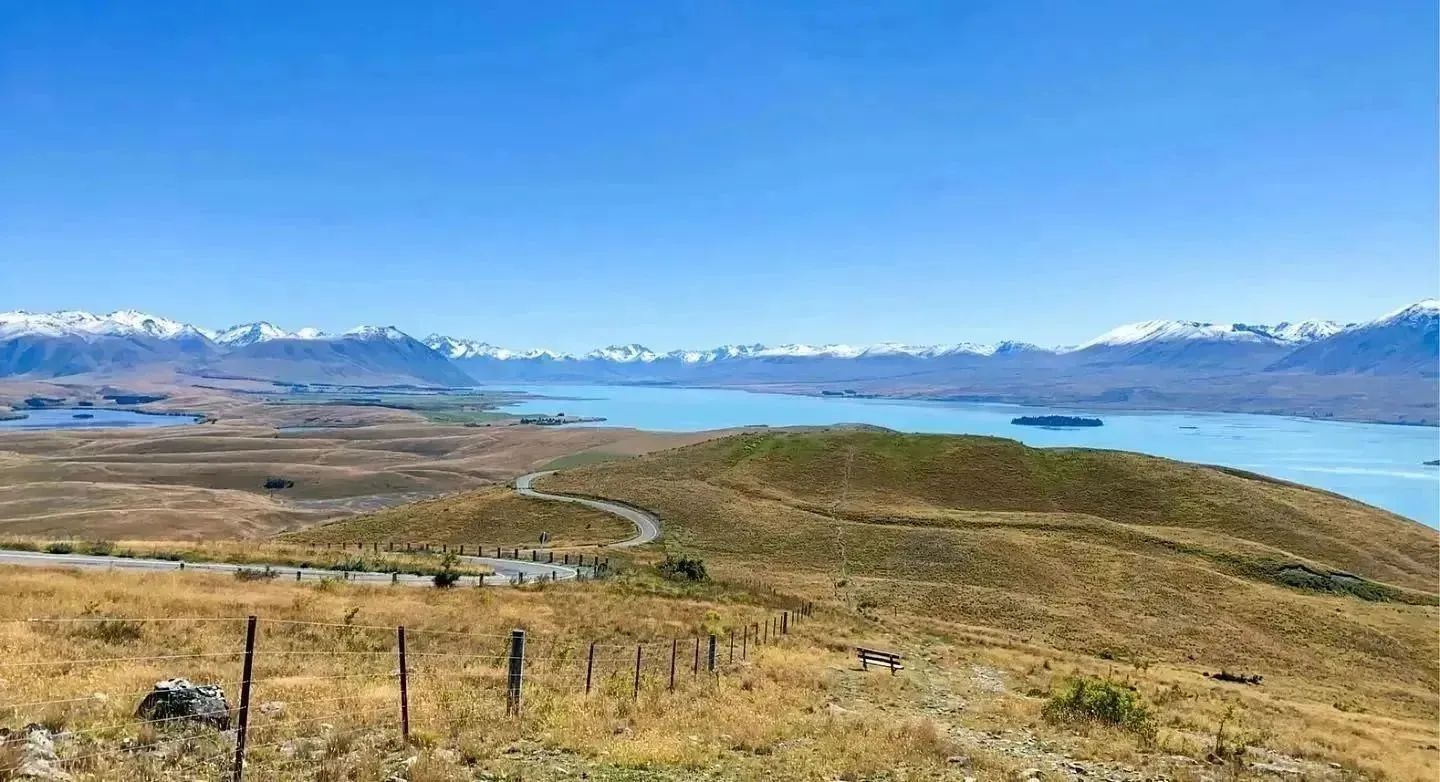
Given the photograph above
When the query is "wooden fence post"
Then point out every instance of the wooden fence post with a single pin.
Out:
(516, 673)
(784, 622)
(732, 644)
(589, 667)
(638, 647)
(404, 686)
(695, 669)
(710, 655)
(674, 647)
(244, 723)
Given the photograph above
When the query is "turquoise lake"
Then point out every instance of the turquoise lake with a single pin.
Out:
(1376, 463)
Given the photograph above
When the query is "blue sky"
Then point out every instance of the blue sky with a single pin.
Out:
(687, 174)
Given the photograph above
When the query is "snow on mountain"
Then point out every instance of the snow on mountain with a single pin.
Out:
(1304, 331)
(249, 333)
(455, 348)
(1176, 331)
(370, 332)
(623, 354)
(76, 323)
(1420, 312)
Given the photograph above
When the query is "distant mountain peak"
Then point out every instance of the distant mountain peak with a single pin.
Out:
(377, 332)
(1176, 331)
(1425, 309)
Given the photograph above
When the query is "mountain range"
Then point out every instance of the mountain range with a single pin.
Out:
(1401, 345)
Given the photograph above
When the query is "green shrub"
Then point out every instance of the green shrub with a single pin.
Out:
(99, 548)
(60, 547)
(447, 576)
(683, 568)
(1102, 701)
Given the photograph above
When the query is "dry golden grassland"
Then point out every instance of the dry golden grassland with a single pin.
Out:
(763, 716)
(1122, 560)
(493, 516)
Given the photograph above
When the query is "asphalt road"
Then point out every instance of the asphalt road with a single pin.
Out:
(507, 571)
(647, 526)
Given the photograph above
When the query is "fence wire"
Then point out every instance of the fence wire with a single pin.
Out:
(314, 689)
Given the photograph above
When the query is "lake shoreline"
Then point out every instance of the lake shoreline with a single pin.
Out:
(1367, 461)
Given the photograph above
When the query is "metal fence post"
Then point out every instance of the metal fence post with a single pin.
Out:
(695, 669)
(589, 667)
(517, 671)
(732, 644)
(638, 647)
(404, 686)
(674, 647)
(745, 642)
(710, 655)
(244, 724)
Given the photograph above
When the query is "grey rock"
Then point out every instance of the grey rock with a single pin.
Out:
(37, 754)
(177, 700)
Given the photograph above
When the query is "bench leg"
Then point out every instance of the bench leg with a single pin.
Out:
(864, 666)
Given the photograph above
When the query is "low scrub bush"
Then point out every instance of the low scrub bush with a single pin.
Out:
(255, 574)
(60, 547)
(1089, 699)
(447, 576)
(683, 568)
(99, 548)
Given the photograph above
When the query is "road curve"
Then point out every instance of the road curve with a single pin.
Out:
(647, 525)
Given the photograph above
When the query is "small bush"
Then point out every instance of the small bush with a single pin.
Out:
(255, 574)
(1089, 699)
(683, 569)
(274, 482)
(447, 576)
(60, 547)
(99, 548)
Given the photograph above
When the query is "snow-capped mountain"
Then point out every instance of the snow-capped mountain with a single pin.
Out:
(248, 334)
(70, 342)
(1177, 331)
(75, 323)
(623, 354)
(1406, 341)
(1305, 331)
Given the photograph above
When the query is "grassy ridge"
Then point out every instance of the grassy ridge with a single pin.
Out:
(493, 516)
(1107, 553)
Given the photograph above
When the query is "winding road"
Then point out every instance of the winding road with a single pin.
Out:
(647, 525)
(507, 571)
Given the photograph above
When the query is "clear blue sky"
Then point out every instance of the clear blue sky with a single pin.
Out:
(686, 174)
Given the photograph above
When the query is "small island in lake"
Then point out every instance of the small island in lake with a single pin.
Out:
(83, 415)
(1433, 463)
(1056, 421)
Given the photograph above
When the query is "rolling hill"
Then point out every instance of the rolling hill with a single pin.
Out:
(1108, 553)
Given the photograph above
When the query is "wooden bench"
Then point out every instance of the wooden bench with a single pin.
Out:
(869, 657)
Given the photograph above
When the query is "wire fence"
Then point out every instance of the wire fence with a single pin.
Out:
(542, 554)
(292, 689)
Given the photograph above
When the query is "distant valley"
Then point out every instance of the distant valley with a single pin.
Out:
(1380, 370)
